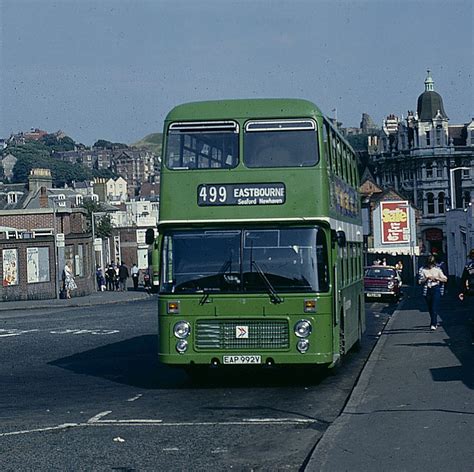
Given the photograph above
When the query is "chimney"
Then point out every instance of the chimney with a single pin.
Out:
(39, 178)
(43, 198)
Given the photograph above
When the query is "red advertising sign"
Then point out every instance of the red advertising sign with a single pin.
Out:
(395, 222)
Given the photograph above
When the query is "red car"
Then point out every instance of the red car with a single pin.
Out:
(382, 282)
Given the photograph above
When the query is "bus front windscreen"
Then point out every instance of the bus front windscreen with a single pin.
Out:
(287, 143)
(245, 260)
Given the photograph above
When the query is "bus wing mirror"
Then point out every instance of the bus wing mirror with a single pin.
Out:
(150, 236)
(339, 237)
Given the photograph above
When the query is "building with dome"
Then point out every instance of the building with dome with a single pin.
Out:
(428, 161)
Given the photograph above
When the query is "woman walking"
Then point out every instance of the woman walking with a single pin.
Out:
(69, 282)
(432, 278)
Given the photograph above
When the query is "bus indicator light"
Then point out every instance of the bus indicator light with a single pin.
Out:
(310, 306)
(173, 308)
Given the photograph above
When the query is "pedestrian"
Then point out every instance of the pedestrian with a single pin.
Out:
(110, 277)
(377, 261)
(467, 278)
(431, 277)
(123, 276)
(98, 277)
(146, 279)
(135, 271)
(69, 282)
(444, 267)
(384, 261)
(116, 278)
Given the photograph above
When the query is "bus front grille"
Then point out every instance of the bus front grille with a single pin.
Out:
(242, 335)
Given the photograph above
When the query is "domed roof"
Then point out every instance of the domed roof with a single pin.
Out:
(430, 102)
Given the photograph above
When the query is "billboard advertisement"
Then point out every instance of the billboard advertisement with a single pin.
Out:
(395, 222)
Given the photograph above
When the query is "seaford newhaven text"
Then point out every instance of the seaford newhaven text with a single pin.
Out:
(241, 194)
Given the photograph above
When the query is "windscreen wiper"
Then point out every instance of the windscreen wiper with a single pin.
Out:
(274, 297)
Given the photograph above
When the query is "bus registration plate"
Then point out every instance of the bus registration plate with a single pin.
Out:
(374, 295)
(242, 359)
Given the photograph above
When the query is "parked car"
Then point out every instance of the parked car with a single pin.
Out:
(382, 282)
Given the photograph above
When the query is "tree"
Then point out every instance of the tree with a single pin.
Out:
(103, 227)
(102, 224)
(103, 144)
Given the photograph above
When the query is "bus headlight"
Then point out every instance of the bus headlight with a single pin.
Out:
(181, 329)
(390, 284)
(302, 345)
(303, 328)
(182, 346)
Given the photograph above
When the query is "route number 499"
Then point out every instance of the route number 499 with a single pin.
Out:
(213, 194)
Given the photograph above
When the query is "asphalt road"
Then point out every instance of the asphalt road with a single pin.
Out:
(82, 390)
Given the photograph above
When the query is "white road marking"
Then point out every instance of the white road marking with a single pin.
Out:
(97, 417)
(219, 450)
(96, 421)
(4, 333)
(99, 332)
(40, 430)
(170, 449)
(136, 397)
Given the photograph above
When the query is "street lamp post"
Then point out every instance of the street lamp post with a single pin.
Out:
(55, 250)
(451, 185)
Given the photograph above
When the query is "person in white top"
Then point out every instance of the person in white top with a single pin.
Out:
(431, 277)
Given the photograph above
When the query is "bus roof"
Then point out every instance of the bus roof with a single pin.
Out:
(244, 109)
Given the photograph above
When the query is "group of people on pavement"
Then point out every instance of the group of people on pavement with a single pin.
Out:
(434, 275)
(116, 276)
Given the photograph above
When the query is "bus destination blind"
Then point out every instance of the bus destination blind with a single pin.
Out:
(241, 194)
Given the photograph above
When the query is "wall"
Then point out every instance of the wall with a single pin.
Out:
(23, 289)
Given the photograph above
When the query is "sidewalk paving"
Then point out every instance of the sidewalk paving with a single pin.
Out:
(96, 298)
(413, 406)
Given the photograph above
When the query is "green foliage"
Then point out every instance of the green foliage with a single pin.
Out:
(58, 144)
(102, 224)
(152, 141)
(103, 144)
(104, 173)
(103, 227)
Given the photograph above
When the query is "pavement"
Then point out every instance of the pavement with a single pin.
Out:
(96, 298)
(413, 405)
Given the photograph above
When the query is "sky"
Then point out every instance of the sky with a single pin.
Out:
(112, 69)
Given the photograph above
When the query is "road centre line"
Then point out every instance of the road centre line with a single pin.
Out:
(4, 333)
(95, 421)
(136, 397)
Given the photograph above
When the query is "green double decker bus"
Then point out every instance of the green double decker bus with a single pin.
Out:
(260, 236)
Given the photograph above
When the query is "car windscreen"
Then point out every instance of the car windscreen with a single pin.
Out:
(379, 272)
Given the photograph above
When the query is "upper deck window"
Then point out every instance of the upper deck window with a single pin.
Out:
(202, 145)
(280, 143)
